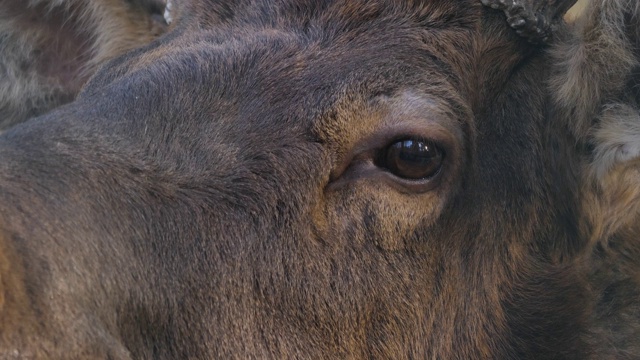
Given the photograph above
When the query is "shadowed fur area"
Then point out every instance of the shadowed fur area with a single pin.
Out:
(360, 179)
(49, 48)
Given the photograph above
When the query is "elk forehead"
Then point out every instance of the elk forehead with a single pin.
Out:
(255, 92)
(285, 75)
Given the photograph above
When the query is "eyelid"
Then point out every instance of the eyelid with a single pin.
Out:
(370, 145)
(366, 169)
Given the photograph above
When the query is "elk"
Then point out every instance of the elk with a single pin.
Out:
(333, 179)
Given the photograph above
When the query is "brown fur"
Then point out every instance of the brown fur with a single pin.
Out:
(597, 88)
(49, 48)
(219, 193)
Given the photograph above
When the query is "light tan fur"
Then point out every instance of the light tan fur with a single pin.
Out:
(577, 10)
(613, 187)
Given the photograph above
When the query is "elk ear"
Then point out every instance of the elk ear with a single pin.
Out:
(595, 84)
(50, 48)
(532, 19)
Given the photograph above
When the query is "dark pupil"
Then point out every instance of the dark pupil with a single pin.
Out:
(413, 159)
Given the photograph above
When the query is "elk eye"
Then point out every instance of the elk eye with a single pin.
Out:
(412, 159)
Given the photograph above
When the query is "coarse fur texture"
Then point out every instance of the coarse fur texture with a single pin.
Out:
(49, 48)
(601, 58)
(225, 191)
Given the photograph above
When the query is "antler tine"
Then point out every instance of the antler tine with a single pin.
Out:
(532, 19)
